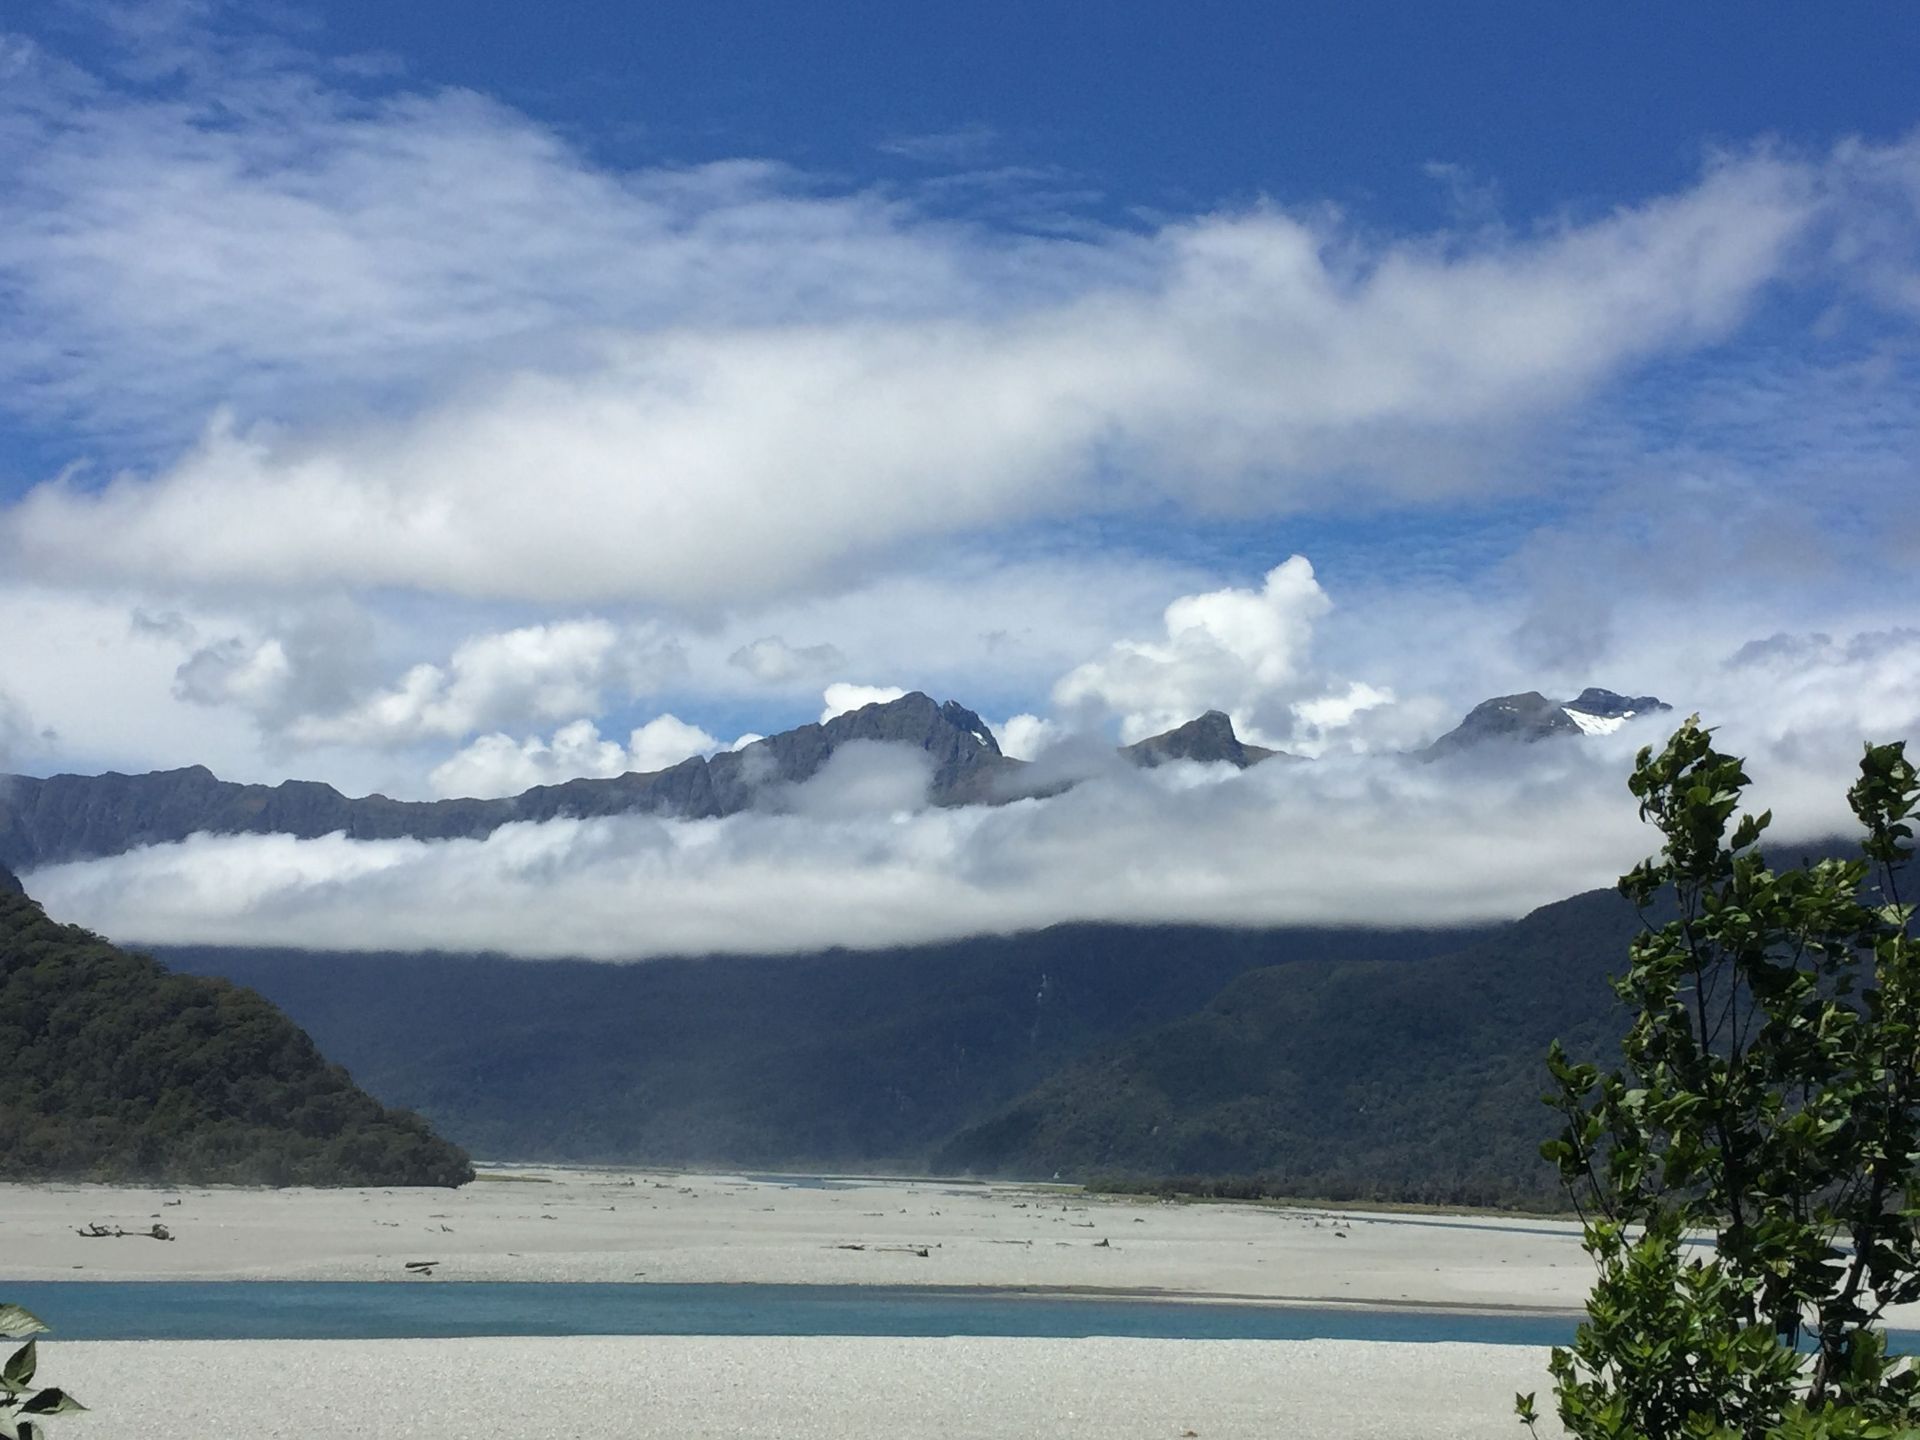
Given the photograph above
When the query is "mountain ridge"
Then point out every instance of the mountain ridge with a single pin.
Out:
(71, 817)
(831, 1059)
(1414, 1078)
(1529, 717)
(67, 817)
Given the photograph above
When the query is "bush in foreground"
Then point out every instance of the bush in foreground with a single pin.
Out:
(1768, 1102)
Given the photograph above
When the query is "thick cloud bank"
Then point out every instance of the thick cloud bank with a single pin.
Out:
(848, 860)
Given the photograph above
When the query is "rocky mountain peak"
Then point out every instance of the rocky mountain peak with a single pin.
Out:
(1208, 740)
(1611, 705)
(1530, 716)
(66, 817)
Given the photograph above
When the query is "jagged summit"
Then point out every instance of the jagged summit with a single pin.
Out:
(1600, 712)
(1209, 740)
(67, 817)
(1531, 716)
(71, 817)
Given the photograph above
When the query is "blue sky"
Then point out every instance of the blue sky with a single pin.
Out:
(431, 400)
(1153, 107)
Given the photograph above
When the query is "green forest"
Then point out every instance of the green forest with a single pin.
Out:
(1412, 1080)
(114, 1068)
(1330, 1064)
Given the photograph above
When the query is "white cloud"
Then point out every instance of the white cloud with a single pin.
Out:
(1360, 717)
(86, 673)
(855, 858)
(1026, 736)
(1330, 712)
(666, 740)
(857, 865)
(497, 764)
(861, 778)
(536, 672)
(840, 697)
(1242, 651)
(722, 388)
(1795, 683)
(252, 675)
(773, 661)
(19, 736)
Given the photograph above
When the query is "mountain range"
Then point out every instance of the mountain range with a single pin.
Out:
(44, 821)
(1368, 1064)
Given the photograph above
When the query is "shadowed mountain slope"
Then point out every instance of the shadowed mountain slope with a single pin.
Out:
(1209, 740)
(1412, 1079)
(838, 1059)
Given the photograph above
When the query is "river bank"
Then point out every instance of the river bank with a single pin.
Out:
(575, 1225)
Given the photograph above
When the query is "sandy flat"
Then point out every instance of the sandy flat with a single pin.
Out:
(611, 1225)
(797, 1389)
(573, 1225)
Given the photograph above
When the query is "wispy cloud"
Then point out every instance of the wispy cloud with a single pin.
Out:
(414, 442)
(964, 145)
(727, 382)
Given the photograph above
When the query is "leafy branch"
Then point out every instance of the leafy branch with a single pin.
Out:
(1766, 1105)
(24, 1408)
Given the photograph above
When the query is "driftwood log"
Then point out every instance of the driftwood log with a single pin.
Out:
(101, 1232)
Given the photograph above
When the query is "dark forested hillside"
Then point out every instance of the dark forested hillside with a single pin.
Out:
(1371, 1079)
(112, 1068)
(836, 1059)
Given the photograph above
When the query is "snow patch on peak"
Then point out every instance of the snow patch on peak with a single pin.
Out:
(1596, 724)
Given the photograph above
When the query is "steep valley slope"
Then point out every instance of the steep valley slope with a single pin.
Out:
(839, 1059)
(111, 1068)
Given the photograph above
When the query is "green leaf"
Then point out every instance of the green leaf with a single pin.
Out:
(52, 1401)
(16, 1323)
(19, 1368)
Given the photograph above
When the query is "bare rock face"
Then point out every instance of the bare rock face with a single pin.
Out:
(67, 817)
(1608, 705)
(965, 755)
(1208, 740)
(1530, 717)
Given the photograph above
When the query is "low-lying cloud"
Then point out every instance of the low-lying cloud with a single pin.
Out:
(1354, 840)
